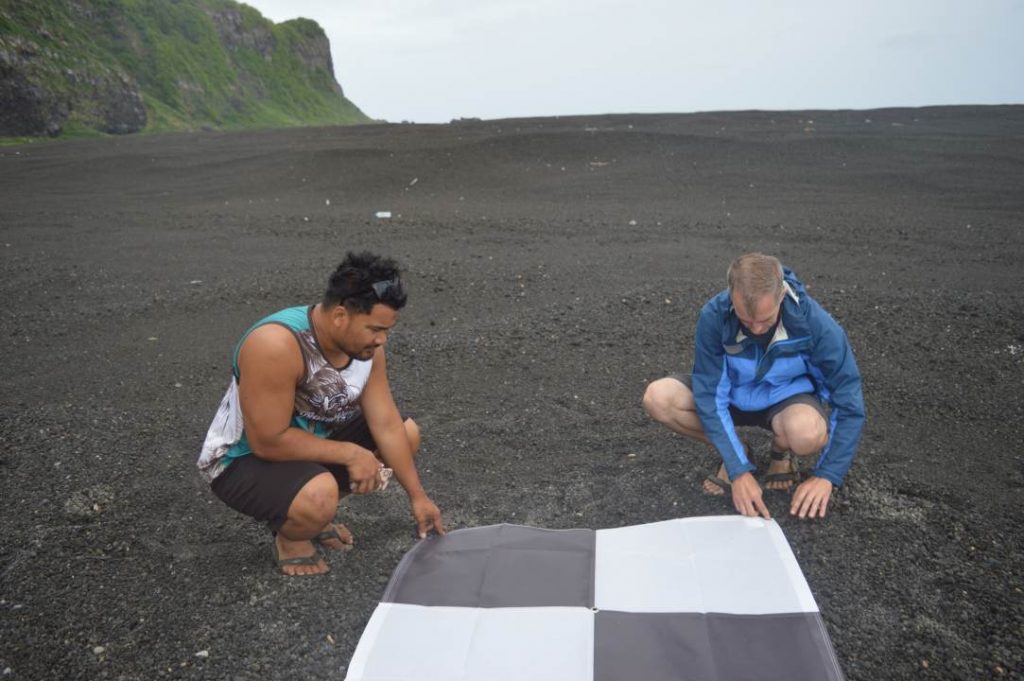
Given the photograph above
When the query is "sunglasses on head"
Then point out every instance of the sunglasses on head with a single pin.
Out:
(382, 288)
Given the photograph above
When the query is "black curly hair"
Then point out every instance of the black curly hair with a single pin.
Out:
(364, 279)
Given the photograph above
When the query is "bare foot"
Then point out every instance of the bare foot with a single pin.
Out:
(713, 489)
(776, 467)
(312, 564)
(336, 537)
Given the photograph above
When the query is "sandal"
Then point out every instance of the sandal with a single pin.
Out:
(724, 485)
(334, 534)
(721, 484)
(313, 559)
(791, 476)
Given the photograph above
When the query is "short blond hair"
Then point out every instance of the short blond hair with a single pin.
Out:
(753, 276)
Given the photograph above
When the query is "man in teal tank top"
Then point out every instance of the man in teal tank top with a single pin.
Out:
(308, 417)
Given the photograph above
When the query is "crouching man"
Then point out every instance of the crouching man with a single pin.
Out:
(309, 417)
(767, 355)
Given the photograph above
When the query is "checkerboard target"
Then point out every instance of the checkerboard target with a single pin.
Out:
(702, 599)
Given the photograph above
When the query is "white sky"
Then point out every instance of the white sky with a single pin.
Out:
(435, 60)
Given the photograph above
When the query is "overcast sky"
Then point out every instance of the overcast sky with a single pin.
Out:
(435, 60)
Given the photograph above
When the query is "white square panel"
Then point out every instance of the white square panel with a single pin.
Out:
(725, 564)
(434, 643)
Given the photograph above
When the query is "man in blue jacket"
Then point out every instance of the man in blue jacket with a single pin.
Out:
(767, 355)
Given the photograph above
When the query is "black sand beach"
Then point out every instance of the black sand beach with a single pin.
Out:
(555, 267)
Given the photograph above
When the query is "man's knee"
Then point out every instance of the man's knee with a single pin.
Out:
(806, 432)
(412, 431)
(661, 397)
(317, 501)
(819, 437)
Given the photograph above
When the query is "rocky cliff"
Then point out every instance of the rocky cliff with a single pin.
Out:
(121, 66)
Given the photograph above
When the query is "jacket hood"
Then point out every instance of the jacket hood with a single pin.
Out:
(795, 285)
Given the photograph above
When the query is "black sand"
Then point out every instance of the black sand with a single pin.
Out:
(556, 266)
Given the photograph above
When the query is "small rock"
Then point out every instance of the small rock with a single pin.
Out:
(203, 654)
(86, 504)
(99, 650)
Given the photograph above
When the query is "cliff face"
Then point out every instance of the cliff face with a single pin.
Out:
(235, 35)
(26, 108)
(121, 66)
(35, 101)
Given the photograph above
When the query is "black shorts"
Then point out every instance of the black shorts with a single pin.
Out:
(762, 418)
(265, 490)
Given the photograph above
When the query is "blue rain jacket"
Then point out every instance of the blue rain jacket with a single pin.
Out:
(809, 353)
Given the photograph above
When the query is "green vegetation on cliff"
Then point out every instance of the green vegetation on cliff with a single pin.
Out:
(115, 66)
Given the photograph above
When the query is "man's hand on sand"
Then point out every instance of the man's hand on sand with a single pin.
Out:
(363, 471)
(811, 498)
(746, 497)
(427, 515)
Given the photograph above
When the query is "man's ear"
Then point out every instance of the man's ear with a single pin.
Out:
(340, 315)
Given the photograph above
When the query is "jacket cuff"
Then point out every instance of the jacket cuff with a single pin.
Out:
(748, 468)
(836, 480)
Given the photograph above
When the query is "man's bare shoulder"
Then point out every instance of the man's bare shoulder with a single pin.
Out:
(271, 348)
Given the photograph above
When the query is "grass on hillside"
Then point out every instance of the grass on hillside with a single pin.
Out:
(187, 77)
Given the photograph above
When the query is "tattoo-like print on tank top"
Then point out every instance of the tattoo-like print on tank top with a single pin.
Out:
(325, 395)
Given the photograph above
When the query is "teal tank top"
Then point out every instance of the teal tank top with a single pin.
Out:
(326, 398)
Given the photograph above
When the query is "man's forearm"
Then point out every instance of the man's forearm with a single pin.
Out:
(396, 452)
(295, 444)
(409, 479)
